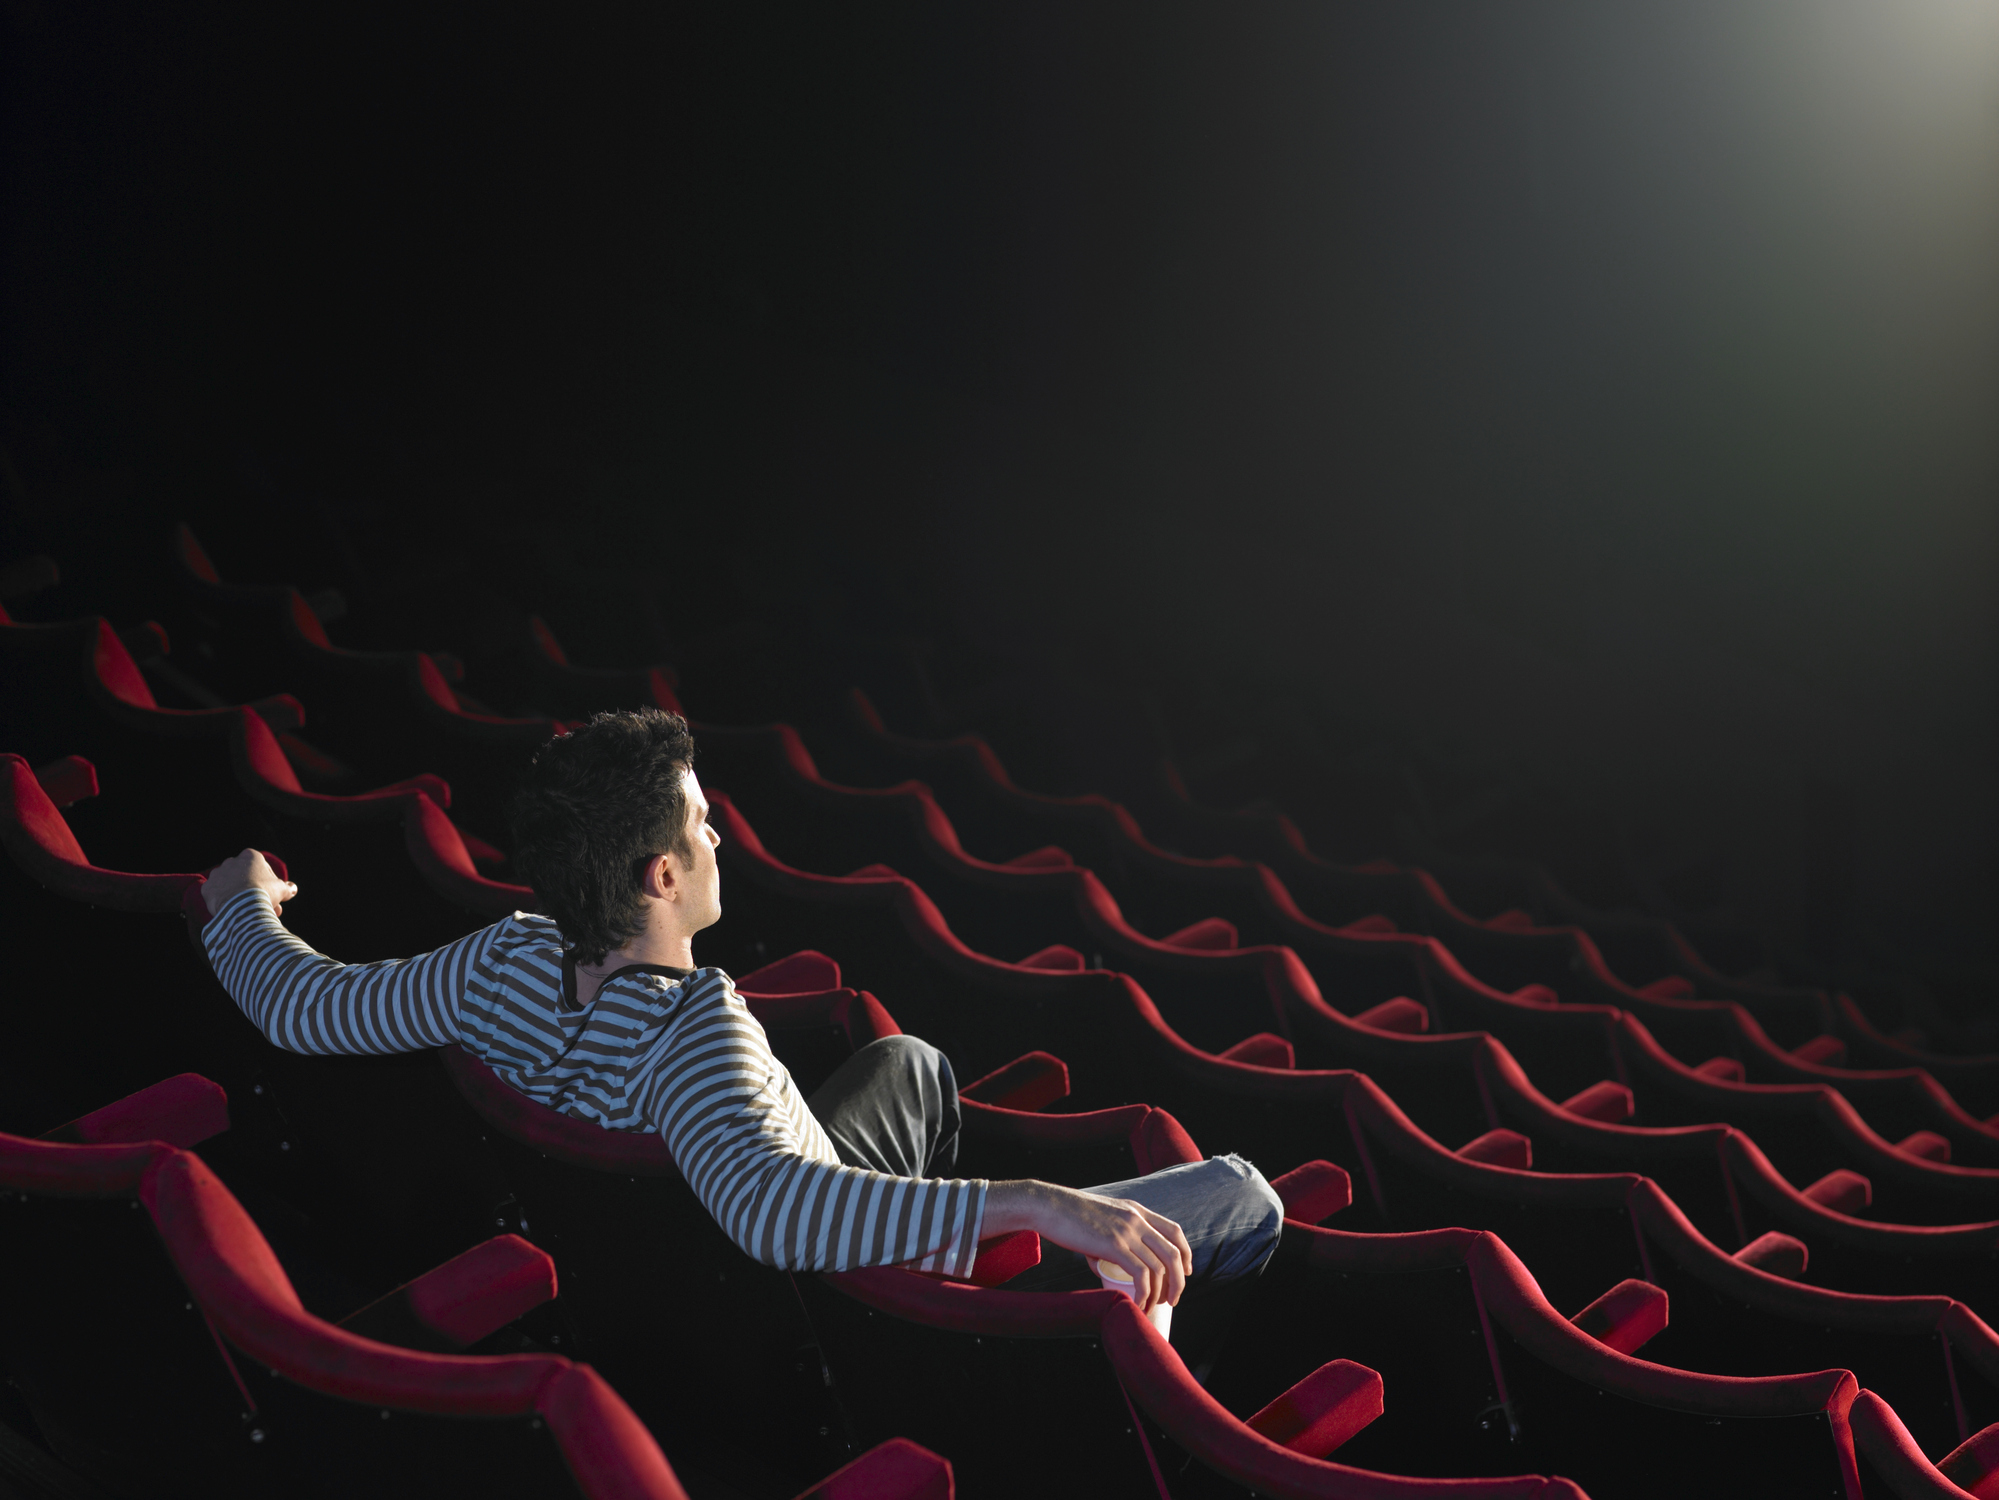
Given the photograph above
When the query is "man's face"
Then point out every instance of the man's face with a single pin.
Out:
(701, 878)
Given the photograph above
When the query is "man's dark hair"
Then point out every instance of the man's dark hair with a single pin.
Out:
(594, 806)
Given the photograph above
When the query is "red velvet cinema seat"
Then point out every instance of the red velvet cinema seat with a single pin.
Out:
(387, 871)
(86, 919)
(982, 1012)
(987, 1392)
(1638, 951)
(392, 714)
(557, 686)
(373, 1153)
(1934, 1358)
(1043, 901)
(150, 1382)
(992, 812)
(198, 1371)
(998, 821)
(73, 689)
(1938, 1195)
(645, 1267)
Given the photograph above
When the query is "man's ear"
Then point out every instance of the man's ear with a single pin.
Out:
(659, 882)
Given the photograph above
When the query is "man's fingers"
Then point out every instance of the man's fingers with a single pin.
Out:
(1150, 1287)
(1175, 1236)
(1173, 1279)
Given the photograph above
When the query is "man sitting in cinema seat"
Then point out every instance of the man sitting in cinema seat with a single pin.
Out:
(598, 1010)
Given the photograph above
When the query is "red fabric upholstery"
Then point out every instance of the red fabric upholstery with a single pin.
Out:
(1973, 1465)
(1925, 1145)
(1092, 1127)
(119, 685)
(1375, 923)
(1209, 935)
(1626, 1317)
(1779, 1254)
(484, 1289)
(1160, 1384)
(68, 1171)
(1314, 1192)
(806, 972)
(266, 772)
(1536, 994)
(193, 556)
(608, 1449)
(895, 1470)
(38, 839)
(556, 1135)
(1723, 1069)
(654, 684)
(1672, 987)
(1602, 1101)
(1160, 1142)
(861, 1015)
(1514, 1300)
(1826, 1050)
(544, 641)
(1262, 1050)
(1058, 958)
(69, 780)
(1030, 1082)
(1323, 1410)
(184, 1110)
(1400, 1014)
(1047, 858)
(1965, 1470)
(116, 670)
(1005, 1256)
(1842, 1191)
(237, 1280)
(988, 1312)
(868, 1020)
(440, 854)
(1500, 1148)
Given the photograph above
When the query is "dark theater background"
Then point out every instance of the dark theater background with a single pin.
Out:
(1550, 444)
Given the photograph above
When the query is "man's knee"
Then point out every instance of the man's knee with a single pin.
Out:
(907, 1054)
(1255, 1213)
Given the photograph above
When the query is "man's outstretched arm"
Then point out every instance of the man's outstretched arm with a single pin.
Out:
(1150, 1247)
(304, 1001)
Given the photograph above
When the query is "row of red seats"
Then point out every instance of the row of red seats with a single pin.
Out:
(1623, 952)
(1548, 1370)
(1371, 1174)
(166, 1352)
(270, 777)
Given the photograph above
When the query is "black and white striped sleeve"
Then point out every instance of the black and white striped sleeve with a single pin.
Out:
(306, 1002)
(745, 1141)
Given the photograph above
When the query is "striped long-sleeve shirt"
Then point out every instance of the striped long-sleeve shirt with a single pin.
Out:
(653, 1051)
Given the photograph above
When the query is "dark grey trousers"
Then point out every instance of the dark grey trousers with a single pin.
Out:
(893, 1107)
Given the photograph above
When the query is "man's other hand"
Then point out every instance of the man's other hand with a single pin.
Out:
(1150, 1247)
(248, 871)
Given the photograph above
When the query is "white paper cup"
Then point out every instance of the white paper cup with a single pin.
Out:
(1113, 1277)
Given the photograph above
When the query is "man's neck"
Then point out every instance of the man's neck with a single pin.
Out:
(654, 950)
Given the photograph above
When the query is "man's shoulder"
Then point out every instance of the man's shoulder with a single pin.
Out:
(524, 945)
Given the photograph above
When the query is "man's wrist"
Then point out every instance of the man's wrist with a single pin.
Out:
(1014, 1205)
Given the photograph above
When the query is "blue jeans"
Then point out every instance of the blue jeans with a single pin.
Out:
(893, 1107)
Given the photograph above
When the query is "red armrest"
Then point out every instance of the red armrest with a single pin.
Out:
(1323, 1410)
(1030, 1082)
(896, 1470)
(184, 1110)
(465, 1299)
(803, 973)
